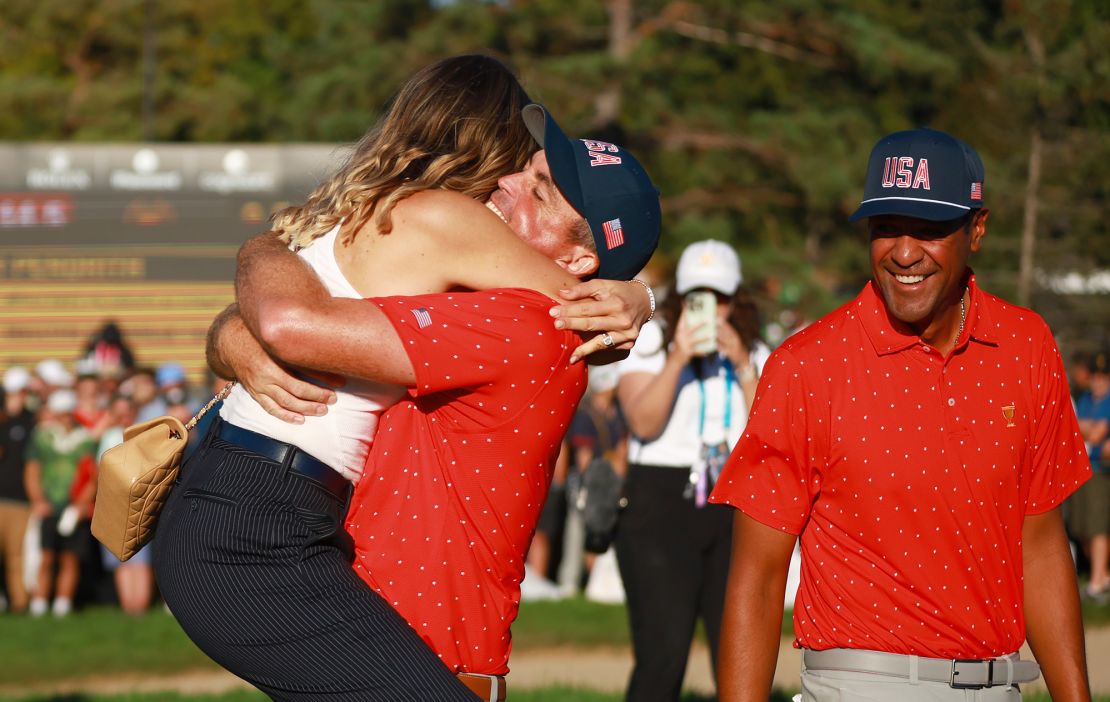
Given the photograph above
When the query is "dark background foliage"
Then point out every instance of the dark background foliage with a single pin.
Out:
(755, 118)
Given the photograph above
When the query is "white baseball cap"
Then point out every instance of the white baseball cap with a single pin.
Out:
(16, 378)
(54, 373)
(62, 401)
(708, 264)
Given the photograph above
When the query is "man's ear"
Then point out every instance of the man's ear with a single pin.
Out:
(979, 228)
(580, 261)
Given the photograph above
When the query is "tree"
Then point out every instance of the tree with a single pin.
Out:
(754, 118)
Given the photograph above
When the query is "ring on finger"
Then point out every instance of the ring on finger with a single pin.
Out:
(607, 340)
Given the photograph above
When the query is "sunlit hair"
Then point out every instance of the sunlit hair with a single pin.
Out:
(455, 125)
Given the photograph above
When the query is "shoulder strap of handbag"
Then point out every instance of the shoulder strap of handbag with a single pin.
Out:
(222, 394)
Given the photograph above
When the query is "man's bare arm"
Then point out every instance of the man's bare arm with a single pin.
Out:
(752, 621)
(221, 329)
(1053, 622)
(287, 308)
(233, 353)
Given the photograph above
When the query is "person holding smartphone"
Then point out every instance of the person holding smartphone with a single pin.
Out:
(685, 391)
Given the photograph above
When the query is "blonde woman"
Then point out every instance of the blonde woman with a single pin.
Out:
(252, 559)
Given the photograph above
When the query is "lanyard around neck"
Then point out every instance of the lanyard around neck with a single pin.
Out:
(730, 377)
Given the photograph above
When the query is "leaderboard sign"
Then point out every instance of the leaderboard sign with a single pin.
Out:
(144, 211)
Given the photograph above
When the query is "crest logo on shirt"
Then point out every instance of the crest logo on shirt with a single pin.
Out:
(423, 318)
(1008, 413)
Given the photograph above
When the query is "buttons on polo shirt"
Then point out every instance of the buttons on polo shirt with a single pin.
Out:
(951, 402)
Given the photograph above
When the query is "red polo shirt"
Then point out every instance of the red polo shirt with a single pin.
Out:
(459, 472)
(908, 475)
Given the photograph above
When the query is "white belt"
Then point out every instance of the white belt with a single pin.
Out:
(958, 673)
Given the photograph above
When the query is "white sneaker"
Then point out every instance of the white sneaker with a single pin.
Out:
(62, 607)
(38, 607)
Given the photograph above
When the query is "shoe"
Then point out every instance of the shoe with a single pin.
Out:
(38, 607)
(1098, 595)
(62, 607)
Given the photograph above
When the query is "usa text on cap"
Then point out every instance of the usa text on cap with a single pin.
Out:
(922, 173)
(609, 188)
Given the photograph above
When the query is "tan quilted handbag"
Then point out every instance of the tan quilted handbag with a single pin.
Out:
(135, 480)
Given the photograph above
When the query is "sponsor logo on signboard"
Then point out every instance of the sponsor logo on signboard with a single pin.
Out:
(19, 210)
(59, 174)
(147, 213)
(144, 174)
(236, 176)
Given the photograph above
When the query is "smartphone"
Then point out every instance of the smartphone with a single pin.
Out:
(701, 309)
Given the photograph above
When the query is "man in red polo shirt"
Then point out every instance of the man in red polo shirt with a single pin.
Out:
(919, 440)
(459, 469)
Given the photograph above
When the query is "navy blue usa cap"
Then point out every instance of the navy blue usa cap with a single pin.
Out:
(922, 173)
(609, 188)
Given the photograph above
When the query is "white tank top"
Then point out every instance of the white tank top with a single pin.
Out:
(342, 437)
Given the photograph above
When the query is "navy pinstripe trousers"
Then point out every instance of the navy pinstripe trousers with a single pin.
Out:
(254, 564)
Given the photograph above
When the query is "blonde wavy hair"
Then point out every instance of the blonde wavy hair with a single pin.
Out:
(454, 125)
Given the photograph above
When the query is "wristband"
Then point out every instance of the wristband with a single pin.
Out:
(651, 297)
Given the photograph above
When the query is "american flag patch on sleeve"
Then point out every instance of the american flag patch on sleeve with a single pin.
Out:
(614, 235)
(423, 318)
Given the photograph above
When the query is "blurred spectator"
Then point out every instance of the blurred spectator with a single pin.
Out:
(16, 423)
(91, 412)
(685, 412)
(178, 405)
(46, 469)
(1089, 507)
(143, 391)
(597, 430)
(107, 351)
(110, 380)
(549, 532)
(1079, 374)
(49, 375)
(57, 446)
(134, 579)
(170, 376)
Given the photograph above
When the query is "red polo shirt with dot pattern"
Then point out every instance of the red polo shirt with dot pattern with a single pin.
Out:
(459, 471)
(908, 475)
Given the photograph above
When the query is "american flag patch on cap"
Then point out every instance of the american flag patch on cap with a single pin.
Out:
(423, 319)
(976, 191)
(614, 235)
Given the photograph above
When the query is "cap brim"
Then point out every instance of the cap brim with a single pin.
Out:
(559, 152)
(535, 117)
(934, 211)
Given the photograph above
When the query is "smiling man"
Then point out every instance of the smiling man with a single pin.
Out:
(482, 388)
(919, 442)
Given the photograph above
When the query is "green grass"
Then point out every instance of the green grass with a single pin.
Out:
(578, 622)
(238, 696)
(1095, 614)
(572, 622)
(552, 694)
(102, 642)
(98, 641)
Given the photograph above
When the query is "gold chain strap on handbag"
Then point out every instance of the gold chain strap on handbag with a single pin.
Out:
(221, 395)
